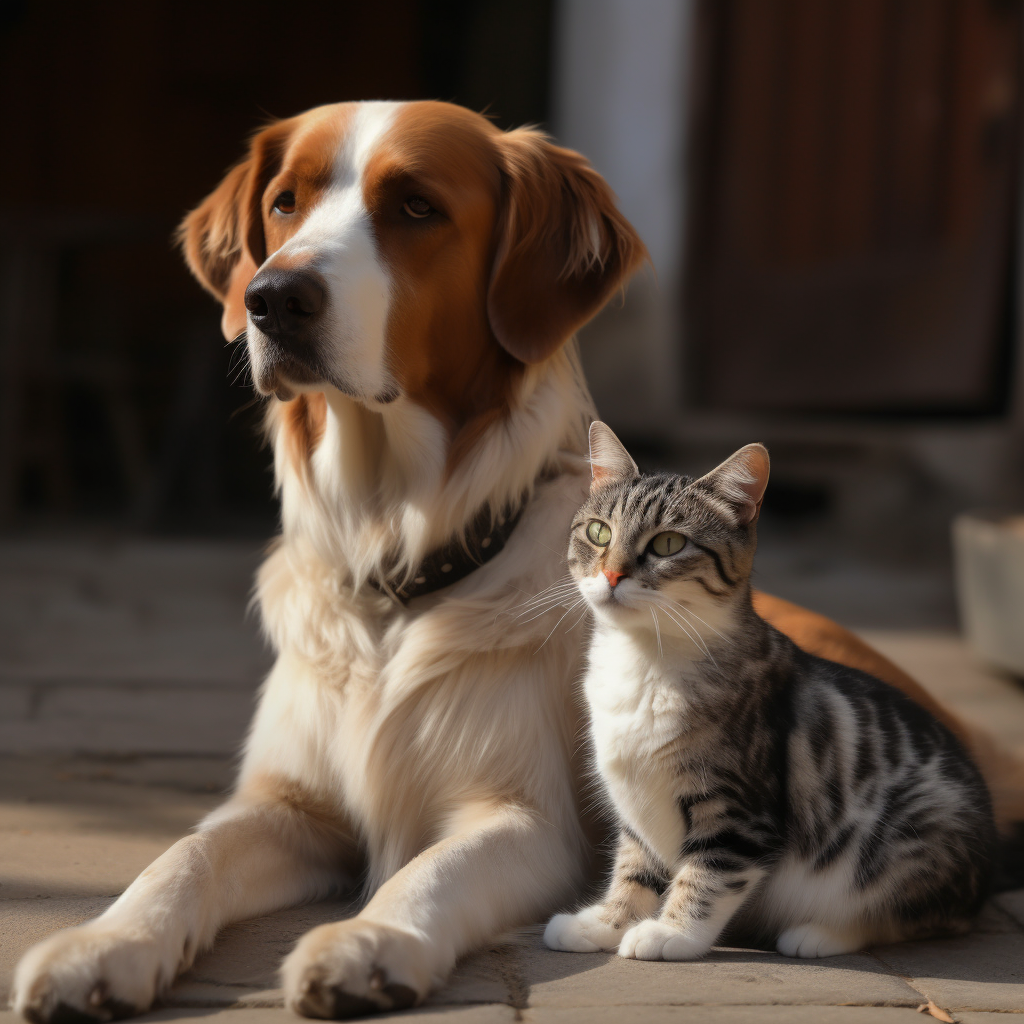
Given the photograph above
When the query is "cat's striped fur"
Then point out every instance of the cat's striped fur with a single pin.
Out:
(764, 794)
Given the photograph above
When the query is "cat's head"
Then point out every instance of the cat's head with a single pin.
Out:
(643, 543)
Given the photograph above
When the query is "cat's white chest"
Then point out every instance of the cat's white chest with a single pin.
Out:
(636, 714)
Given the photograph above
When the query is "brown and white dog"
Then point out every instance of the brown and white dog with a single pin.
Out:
(409, 280)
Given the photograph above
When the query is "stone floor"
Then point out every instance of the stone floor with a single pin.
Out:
(107, 655)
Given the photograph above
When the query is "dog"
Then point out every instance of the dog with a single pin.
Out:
(408, 280)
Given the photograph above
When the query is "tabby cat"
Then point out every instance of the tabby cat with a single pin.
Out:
(764, 795)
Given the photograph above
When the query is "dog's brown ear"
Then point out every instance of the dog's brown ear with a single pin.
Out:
(563, 246)
(222, 238)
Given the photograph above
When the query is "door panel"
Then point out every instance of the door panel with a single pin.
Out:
(853, 204)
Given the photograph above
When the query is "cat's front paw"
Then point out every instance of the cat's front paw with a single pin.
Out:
(654, 940)
(585, 932)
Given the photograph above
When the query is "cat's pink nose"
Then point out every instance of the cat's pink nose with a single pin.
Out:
(613, 576)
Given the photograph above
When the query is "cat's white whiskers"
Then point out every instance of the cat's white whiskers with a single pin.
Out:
(677, 612)
(586, 608)
(657, 629)
(551, 597)
(558, 587)
(695, 640)
(693, 626)
(547, 593)
(541, 612)
(687, 627)
(690, 611)
(571, 608)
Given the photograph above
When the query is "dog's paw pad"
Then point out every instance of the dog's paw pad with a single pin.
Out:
(325, 1001)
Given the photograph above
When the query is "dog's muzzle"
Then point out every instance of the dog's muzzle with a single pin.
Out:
(285, 304)
(285, 311)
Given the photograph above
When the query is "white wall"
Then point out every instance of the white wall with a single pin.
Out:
(621, 81)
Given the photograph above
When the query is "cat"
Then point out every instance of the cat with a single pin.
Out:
(764, 795)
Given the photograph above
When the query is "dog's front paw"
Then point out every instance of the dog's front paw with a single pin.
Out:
(585, 932)
(96, 972)
(654, 940)
(356, 967)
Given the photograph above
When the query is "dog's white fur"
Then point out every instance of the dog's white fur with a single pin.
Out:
(438, 738)
(442, 735)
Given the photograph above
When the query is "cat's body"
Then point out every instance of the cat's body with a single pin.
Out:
(765, 795)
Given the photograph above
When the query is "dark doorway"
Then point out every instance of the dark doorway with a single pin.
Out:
(854, 205)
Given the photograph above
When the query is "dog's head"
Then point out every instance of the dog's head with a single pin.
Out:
(390, 249)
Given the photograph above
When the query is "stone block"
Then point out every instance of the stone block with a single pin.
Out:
(726, 1014)
(25, 922)
(247, 955)
(261, 1015)
(125, 719)
(727, 976)
(980, 971)
(135, 610)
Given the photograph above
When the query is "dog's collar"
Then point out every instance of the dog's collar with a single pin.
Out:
(456, 559)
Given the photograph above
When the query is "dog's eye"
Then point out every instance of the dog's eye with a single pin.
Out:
(285, 202)
(599, 533)
(418, 207)
(668, 543)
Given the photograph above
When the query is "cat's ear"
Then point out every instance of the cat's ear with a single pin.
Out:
(609, 460)
(741, 480)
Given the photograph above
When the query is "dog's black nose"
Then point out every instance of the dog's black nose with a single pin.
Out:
(284, 302)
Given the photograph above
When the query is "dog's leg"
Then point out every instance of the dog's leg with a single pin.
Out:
(501, 867)
(248, 858)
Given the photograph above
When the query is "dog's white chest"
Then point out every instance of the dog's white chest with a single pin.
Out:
(636, 715)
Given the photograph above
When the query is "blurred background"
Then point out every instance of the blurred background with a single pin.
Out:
(829, 190)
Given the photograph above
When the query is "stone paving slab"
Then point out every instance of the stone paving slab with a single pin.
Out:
(498, 1014)
(727, 1014)
(488, 1014)
(980, 1017)
(27, 921)
(975, 972)
(74, 833)
(733, 976)
(76, 830)
(142, 717)
(85, 827)
(129, 610)
(127, 647)
(64, 833)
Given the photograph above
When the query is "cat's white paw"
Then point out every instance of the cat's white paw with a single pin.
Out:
(812, 940)
(584, 932)
(356, 967)
(654, 940)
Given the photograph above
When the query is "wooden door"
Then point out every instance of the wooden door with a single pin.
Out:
(854, 199)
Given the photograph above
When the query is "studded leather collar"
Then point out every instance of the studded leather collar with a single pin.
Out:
(456, 559)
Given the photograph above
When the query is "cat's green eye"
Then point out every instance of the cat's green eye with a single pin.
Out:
(599, 533)
(665, 544)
